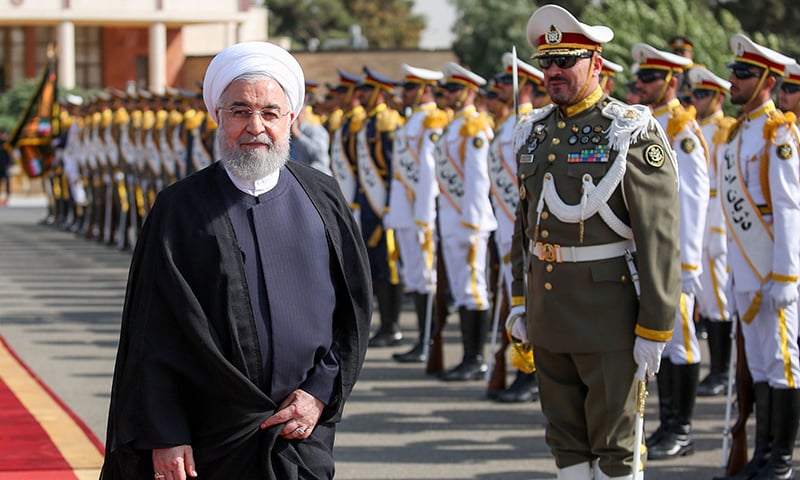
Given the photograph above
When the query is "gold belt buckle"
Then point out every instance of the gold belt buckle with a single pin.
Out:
(549, 252)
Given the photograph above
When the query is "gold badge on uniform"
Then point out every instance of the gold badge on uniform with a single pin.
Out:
(522, 192)
(477, 142)
(553, 36)
(654, 155)
(784, 151)
(688, 145)
(434, 137)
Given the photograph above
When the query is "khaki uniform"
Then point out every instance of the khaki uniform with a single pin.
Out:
(583, 315)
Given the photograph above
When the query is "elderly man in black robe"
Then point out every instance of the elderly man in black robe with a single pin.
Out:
(247, 312)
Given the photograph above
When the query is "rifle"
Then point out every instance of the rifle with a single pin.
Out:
(436, 351)
(497, 380)
(744, 397)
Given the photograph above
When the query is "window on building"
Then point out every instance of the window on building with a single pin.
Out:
(88, 56)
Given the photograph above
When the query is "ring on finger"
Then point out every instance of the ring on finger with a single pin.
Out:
(300, 431)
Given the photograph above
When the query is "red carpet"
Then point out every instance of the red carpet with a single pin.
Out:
(40, 437)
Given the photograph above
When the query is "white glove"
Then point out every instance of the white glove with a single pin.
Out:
(690, 283)
(516, 323)
(717, 245)
(648, 352)
(782, 294)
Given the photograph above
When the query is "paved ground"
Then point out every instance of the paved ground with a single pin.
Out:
(60, 302)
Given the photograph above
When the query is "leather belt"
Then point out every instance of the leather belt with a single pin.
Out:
(549, 252)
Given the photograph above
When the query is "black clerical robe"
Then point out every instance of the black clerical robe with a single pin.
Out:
(188, 368)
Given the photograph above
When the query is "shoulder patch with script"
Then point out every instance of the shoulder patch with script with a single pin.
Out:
(784, 151)
(688, 145)
(655, 155)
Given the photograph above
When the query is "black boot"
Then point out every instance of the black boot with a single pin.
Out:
(719, 347)
(524, 389)
(390, 298)
(785, 419)
(417, 352)
(664, 380)
(678, 440)
(763, 442)
(474, 328)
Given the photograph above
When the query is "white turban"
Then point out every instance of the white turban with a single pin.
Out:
(253, 57)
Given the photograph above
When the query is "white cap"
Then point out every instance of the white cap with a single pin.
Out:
(529, 71)
(455, 73)
(752, 54)
(611, 67)
(553, 30)
(652, 58)
(704, 79)
(420, 75)
(792, 74)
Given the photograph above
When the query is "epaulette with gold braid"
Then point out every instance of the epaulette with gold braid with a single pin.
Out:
(723, 129)
(108, 117)
(359, 115)
(775, 120)
(679, 118)
(66, 120)
(388, 120)
(175, 117)
(193, 119)
(148, 120)
(161, 119)
(335, 120)
(136, 119)
(436, 119)
(121, 116)
(472, 125)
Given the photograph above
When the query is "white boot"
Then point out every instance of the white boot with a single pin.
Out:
(581, 471)
(599, 475)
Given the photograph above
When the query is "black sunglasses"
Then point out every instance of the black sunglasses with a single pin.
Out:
(701, 93)
(505, 79)
(411, 86)
(650, 76)
(790, 88)
(452, 87)
(561, 61)
(744, 73)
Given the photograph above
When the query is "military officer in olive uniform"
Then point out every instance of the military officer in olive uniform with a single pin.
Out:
(658, 78)
(465, 214)
(708, 95)
(760, 192)
(598, 216)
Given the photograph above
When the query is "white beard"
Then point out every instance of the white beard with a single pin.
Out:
(253, 164)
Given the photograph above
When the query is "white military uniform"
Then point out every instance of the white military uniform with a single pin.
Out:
(763, 248)
(690, 149)
(466, 217)
(712, 301)
(505, 192)
(412, 198)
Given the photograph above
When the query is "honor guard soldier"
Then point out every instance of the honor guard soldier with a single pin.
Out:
(465, 214)
(708, 95)
(505, 190)
(658, 78)
(608, 75)
(789, 95)
(343, 141)
(598, 215)
(311, 141)
(412, 197)
(683, 47)
(374, 140)
(759, 191)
